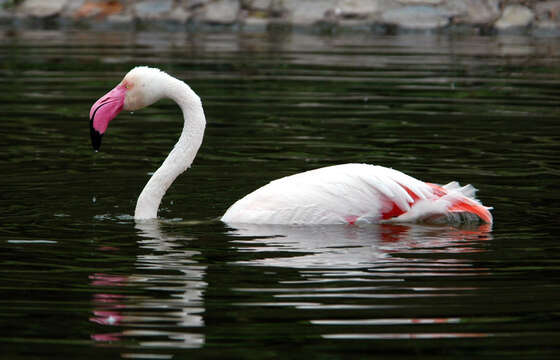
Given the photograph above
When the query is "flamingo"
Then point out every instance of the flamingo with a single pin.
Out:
(339, 194)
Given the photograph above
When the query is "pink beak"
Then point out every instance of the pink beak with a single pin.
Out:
(103, 111)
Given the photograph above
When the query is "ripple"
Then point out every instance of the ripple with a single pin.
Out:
(409, 336)
(31, 242)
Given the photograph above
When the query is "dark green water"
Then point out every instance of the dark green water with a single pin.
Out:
(79, 279)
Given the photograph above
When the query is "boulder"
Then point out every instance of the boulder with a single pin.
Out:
(179, 14)
(152, 9)
(514, 16)
(42, 8)
(79, 9)
(416, 17)
(421, 2)
(223, 12)
(308, 12)
(193, 4)
(356, 8)
(548, 10)
(474, 12)
(259, 5)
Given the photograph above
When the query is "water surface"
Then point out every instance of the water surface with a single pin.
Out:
(81, 279)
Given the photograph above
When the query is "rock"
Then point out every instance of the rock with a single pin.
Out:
(192, 4)
(42, 8)
(221, 12)
(420, 2)
(416, 17)
(152, 9)
(530, 15)
(72, 7)
(259, 5)
(263, 9)
(356, 8)
(514, 16)
(548, 10)
(308, 12)
(179, 14)
(457, 7)
(474, 12)
(5, 13)
(547, 14)
(98, 9)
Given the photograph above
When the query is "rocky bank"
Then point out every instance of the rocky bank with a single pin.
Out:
(487, 16)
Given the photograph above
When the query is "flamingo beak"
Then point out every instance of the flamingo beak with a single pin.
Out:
(103, 111)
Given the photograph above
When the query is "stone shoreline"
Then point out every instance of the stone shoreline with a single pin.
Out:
(471, 16)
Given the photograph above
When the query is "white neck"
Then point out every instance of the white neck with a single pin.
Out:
(183, 153)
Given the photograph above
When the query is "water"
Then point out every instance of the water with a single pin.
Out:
(79, 279)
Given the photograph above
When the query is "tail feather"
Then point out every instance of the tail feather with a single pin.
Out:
(469, 206)
(462, 200)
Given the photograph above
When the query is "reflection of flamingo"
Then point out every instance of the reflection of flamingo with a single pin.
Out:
(182, 286)
(370, 270)
(354, 247)
(347, 193)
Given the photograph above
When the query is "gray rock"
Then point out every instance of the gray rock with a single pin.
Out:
(152, 9)
(548, 10)
(474, 12)
(179, 14)
(421, 2)
(308, 12)
(42, 8)
(416, 17)
(5, 11)
(221, 12)
(263, 9)
(72, 7)
(259, 5)
(457, 7)
(514, 16)
(192, 4)
(356, 8)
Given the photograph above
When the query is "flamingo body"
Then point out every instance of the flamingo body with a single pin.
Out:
(350, 193)
(353, 193)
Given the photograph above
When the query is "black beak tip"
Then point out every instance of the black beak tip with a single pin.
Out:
(95, 137)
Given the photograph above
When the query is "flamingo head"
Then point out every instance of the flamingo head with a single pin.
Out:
(141, 87)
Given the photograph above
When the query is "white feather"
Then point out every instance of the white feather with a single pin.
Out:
(328, 195)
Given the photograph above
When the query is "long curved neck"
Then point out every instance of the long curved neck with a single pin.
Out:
(183, 153)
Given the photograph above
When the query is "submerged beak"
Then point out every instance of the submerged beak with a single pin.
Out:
(103, 111)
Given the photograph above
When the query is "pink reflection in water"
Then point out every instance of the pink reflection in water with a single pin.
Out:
(106, 317)
(143, 319)
(109, 305)
(106, 337)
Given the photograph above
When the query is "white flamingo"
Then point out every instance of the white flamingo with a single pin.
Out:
(349, 193)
